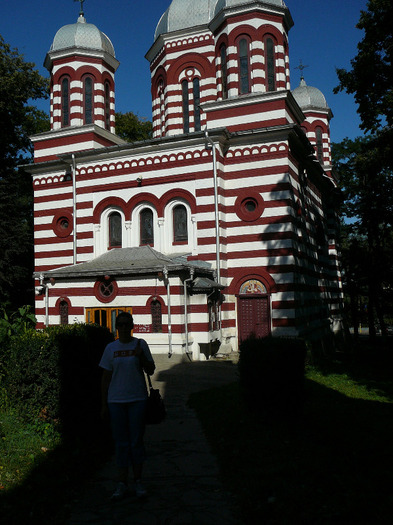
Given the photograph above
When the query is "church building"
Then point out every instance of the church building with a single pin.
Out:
(222, 225)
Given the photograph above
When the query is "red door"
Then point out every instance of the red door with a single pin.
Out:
(253, 316)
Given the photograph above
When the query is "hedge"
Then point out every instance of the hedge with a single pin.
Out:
(54, 375)
(271, 374)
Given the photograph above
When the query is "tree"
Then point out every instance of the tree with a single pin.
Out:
(365, 165)
(371, 76)
(367, 191)
(20, 84)
(132, 128)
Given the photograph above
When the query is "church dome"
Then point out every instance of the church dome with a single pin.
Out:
(182, 14)
(309, 97)
(82, 35)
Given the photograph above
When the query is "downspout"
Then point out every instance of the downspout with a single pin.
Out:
(217, 224)
(74, 206)
(46, 299)
(186, 307)
(210, 141)
(168, 293)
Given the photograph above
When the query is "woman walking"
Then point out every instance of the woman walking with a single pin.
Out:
(124, 396)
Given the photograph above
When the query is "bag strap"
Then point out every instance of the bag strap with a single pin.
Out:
(138, 344)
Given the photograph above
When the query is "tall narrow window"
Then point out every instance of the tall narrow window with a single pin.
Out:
(115, 239)
(88, 100)
(197, 100)
(65, 101)
(224, 71)
(162, 107)
(156, 316)
(270, 65)
(186, 108)
(63, 310)
(318, 135)
(180, 231)
(146, 227)
(244, 69)
(107, 106)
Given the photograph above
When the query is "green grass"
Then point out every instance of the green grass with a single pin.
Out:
(40, 474)
(22, 447)
(331, 465)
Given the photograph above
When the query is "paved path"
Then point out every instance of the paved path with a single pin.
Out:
(181, 475)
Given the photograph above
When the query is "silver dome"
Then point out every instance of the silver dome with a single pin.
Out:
(82, 35)
(309, 97)
(182, 14)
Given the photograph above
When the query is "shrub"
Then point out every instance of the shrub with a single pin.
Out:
(53, 375)
(271, 372)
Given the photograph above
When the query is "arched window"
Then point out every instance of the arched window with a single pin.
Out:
(180, 230)
(244, 67)
(197, 100)
(224, 71)
(156, 316)
(63, 310)
(88, 99)
(318, 136)
(65, 101)
(270, 65)
(107, 106)
(114, 223)
(162, 106)
(186, 108)
(146, 227)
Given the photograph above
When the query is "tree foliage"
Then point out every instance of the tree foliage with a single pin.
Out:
(371, 76)
(365, 165)
(367, 202)
(132, 128)
(20, 84)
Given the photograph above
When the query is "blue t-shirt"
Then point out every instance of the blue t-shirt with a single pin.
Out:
(128, 380)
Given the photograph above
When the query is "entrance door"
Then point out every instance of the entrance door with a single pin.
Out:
(253, 316)
(253, 310)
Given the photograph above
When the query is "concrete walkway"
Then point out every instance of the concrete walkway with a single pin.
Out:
(181, 475)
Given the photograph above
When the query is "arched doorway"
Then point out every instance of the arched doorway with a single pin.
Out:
(253, 307)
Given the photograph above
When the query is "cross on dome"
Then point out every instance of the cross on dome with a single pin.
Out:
(301, 68)
(81, 13)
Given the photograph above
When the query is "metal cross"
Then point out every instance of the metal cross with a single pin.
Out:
(81, 3)
(301, 69)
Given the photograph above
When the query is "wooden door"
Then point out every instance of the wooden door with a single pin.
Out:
(253, 316)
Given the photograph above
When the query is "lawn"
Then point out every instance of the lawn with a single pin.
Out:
(40, 474)
(332, 464)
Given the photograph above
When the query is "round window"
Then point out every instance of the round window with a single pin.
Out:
(105, 290)
(249, 205)
(62, 224)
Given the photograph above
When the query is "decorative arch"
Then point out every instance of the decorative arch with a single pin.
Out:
(244, 274)
(149, 198)
(109, 202)
(179, 194)
(189, 60)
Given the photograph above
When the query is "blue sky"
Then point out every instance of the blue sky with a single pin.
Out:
(324, 37)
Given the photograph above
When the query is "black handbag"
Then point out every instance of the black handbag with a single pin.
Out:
(155, 408)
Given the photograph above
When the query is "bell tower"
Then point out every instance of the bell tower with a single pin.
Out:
(82, 65)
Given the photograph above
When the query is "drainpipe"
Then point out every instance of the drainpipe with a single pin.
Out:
(168, 292)
(210, 141)
(218, 263)
(45, 286)
(186, 308)
(74, 205)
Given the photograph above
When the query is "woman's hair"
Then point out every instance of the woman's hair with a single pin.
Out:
(126, 316)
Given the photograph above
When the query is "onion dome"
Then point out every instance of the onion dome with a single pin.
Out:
(183, 14)
(309, 97)
(81, 36)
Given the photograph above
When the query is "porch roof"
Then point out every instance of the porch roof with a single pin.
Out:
(128, 261)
